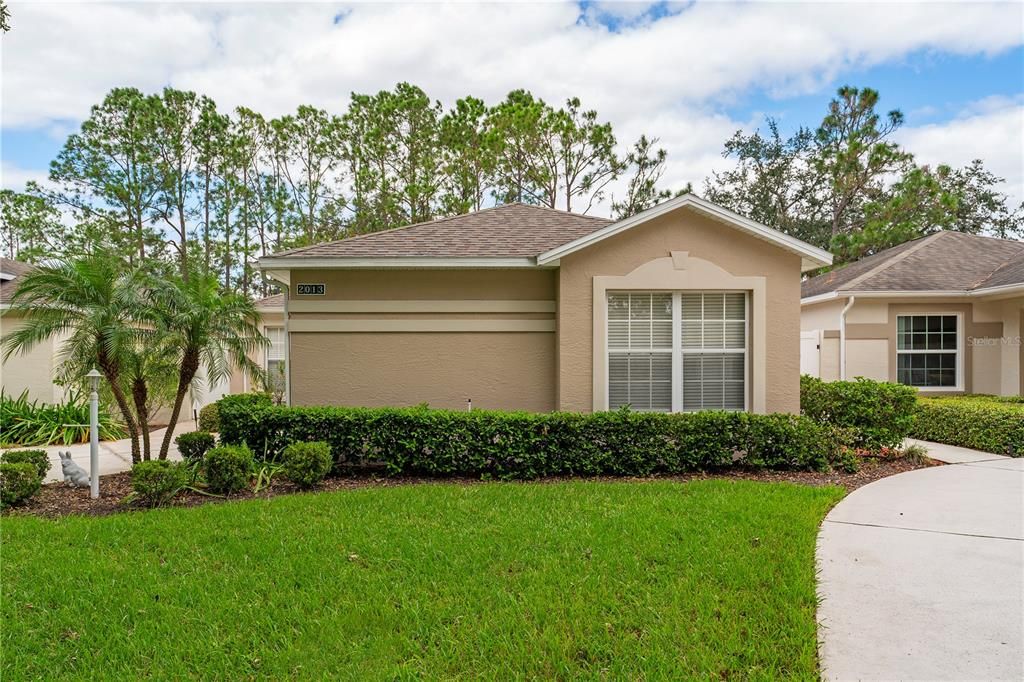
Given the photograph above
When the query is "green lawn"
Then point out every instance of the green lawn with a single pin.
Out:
(582, 579)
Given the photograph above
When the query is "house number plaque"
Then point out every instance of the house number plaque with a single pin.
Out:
(311, 289)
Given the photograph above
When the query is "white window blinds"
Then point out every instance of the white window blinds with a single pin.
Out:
(703, 335)
(640, 351)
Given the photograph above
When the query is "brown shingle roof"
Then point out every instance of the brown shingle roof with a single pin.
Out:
(7, 286)
(507, 231)
(273, 301)
(944, 261)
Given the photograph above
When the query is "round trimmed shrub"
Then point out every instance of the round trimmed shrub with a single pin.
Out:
(18, 482)
(209, 418)
(193, 446)
(156, 482)
(306, 464)
(37, 458)
(228, 468)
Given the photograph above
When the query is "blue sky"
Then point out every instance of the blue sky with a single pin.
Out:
(689, 74)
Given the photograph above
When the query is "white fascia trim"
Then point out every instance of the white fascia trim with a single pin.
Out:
(932, 293)
(346, 263)
(272, 310)
(6, 276)
(813, 257)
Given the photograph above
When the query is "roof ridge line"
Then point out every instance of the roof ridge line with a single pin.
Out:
(886, 264)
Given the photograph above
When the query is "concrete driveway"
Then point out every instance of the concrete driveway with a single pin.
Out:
(922, 574)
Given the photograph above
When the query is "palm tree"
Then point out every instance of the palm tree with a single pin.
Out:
(94, 302)
(205, 328)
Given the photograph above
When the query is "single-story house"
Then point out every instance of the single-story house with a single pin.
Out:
(685, 306)
(944, 313)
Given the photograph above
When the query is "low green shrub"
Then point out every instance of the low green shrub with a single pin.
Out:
(228, 468)
(18, 482)
(209, 418)
(306, 464)
(981, 422)
(521, 445)
(156, 482)
(881, 413)
(194, 445)
(37, 458)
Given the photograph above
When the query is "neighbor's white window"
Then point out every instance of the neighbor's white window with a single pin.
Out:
(928, 351)
(275, 358)
(679, 351)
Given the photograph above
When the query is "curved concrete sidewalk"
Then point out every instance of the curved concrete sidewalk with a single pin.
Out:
(922, 574)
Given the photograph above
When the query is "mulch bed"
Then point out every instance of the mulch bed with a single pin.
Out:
(57, 499)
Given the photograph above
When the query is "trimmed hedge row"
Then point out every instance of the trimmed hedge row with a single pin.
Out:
(980, 422)
(520, 445)
(878, 414)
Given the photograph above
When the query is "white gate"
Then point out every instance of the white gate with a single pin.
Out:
(810, 353)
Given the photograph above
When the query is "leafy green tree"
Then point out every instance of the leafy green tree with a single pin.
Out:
(108, 171)
(775, 182)
(209, 138)
(176, 118)
(914, 206)
(391, 143)
(30, 226)
(467, 160)
(518, 135)
(93, 302)
(208, 329)
(855, 156)
(981, 208)
(582, 153)
(305, 147)
(645, 165)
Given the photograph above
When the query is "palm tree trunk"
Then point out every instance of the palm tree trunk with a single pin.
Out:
(140, 395)
(189, 367)
(126, 413)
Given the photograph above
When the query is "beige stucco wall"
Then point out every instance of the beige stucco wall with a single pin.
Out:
(702, 238)
(404, 337)
(32, 371)
(504, 371)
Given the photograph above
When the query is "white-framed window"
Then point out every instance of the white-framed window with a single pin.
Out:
(928, 351)
(275, 356)
(677, 351)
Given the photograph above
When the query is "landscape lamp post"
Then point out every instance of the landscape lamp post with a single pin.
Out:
(94, 433)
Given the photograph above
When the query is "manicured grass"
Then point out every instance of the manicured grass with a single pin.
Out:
(631, 580)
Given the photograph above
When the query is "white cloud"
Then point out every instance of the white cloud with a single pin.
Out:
(991, 130)
(662, 77)
(15, 177)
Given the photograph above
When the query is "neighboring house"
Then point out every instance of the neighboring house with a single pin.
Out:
(32, 371)
(685, 306)
(943, 313)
